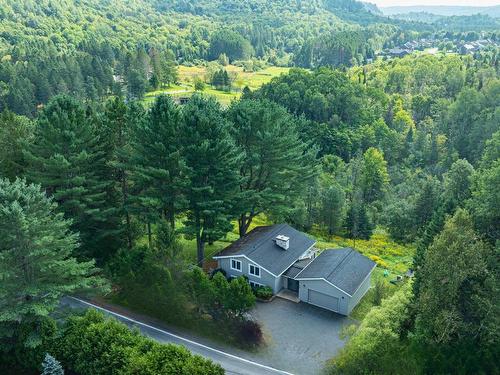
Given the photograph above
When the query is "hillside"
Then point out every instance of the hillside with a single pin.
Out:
(153, 153)
(442, 10)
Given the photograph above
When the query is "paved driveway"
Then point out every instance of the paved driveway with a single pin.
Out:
(300, 337)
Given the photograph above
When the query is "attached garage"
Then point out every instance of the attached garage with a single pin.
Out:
(336, 280)
(323, 300)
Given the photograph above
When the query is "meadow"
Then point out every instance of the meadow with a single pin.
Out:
(187, 75)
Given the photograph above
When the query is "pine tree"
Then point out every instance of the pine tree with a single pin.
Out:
(331, 209)
(37, 264)
(169, 69)
(358, 223)
(67, 161)
(51, 366)
(157, 162)
(15, 131)
(212, 160)
(115, 133)
(277, 165)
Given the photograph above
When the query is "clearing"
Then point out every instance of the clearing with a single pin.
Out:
(187, 74)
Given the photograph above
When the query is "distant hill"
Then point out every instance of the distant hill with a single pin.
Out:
(442, 10)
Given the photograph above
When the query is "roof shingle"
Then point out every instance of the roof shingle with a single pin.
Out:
(345, 268)
(259, 246)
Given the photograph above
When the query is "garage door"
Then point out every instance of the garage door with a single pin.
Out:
(323, 300)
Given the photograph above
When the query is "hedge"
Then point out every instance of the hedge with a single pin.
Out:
(93, 345)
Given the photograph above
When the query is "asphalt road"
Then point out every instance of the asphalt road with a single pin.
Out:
(233, 364)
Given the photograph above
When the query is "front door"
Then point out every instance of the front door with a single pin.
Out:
(293, 285)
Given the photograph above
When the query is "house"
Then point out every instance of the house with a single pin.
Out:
(467, 49)
(398, 52)
(284, 258)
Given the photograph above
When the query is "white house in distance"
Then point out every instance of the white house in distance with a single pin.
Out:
(282, 257)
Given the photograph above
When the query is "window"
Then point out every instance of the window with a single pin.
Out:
(254, 285)
(235, 265)
(253, 270)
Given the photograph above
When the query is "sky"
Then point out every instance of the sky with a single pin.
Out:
(382, 3)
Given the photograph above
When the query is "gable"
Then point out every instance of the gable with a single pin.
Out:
(259, 247)
(345, 269)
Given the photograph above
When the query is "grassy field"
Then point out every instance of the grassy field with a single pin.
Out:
(187, 74)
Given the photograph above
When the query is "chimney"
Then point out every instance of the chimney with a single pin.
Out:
(283, 241)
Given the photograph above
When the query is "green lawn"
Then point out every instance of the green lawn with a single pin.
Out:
(185, 87)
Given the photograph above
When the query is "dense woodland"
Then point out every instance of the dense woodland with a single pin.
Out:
(91, 49)
(100, 192)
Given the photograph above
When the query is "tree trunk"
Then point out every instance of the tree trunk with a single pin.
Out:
(171, 218)
(200, 244)
(244, 222)
(150, 236)
(129, 230)
(200, 248)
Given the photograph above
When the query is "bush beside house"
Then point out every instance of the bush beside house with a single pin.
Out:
(263, 293)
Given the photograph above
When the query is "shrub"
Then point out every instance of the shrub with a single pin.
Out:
(380, 262)
(199, 85)
(249, 333)
(379, 292)
(94, 345)
(149, 280)
(154, 358)
(51, 366)
(220, 298)
(376, 347)
(215, 271)
(31, 341)
(263, 292)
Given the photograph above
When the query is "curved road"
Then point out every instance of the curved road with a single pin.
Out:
(231, 363)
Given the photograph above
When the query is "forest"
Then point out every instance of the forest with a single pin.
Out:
(108, 195)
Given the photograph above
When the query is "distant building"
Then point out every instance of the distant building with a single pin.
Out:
(398, 52)
(467, 49)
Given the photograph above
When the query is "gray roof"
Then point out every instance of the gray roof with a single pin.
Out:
(298, 266)
(345, 268)
(259, 246)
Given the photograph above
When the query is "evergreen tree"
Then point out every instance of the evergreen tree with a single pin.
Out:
(331, 209)
(66, 159)
(426, 202)
(37, 264)
(170, 73)
(212, 160)
(115, 133)
(21, 97)
(358, 223)
(277, 165)
(157, 161)
(15, 132)
(137, 84)
(51, 366)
